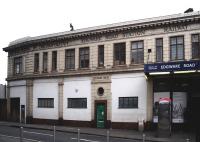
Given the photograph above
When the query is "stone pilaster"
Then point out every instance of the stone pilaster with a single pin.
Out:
(29, 100)
(60, 99)
(8, 102)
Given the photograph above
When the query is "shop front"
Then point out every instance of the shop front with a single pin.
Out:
(179, 81)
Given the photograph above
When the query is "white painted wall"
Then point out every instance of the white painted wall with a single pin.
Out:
(129, 85)
(77, 88)
(18, 90)
(45, 89)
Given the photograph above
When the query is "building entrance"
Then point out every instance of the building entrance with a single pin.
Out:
(184, 92)
(101, 114)
(3, 109)
(15, 109)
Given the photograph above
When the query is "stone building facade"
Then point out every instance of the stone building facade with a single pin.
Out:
(95, 76)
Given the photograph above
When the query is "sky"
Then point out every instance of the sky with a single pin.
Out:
(21, 18)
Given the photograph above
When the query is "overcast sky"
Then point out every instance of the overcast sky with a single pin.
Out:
(21, 18)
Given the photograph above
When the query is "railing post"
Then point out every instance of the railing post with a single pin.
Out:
(108, 136)
(21, 134)
(143, 137)
(78, 135)
(54, 133)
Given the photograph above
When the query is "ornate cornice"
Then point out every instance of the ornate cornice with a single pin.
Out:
(62, 39)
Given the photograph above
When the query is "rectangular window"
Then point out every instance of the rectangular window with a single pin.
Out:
(84, 57)
(36, 62)
(70, 59)
(101, 55)
(195, 46)
(46, 102)
(137, 52)
(177, 48)
(128, 102)
(77, 102)
(45, 61)
(159, 50)
(120, 53)
(54, 60)
(17, 65)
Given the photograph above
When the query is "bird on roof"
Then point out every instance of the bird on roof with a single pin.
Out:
(71, 27)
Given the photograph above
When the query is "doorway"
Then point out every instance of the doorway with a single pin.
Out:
(3, 109)
(15, 109)
(101, 114)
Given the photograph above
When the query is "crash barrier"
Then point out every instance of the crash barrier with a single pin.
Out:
(35, 133)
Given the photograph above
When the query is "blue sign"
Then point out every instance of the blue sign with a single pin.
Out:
(172, 66)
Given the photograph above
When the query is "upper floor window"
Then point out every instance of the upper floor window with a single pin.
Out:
(120, 53)
(45, 61)
(159, 50)
(84, 57)
(70, 59)
(137, 52)
(54, 60)
(196, 46)
(36, 62)
(17, 65)
(101, 55)
(177, 48)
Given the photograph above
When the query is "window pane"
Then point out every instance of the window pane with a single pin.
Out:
(70, 58)
(179, 40)
(128, 102)
(180, 52)
(46, 102)
(17, 65)
(172, 40)
(137, 52)
(119, 53)
(84, 57)
(77, 102)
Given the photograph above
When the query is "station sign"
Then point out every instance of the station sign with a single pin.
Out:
(172, 66)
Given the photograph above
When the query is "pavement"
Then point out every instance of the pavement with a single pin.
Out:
(115, 133)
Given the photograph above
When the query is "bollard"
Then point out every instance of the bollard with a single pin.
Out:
(187, 140)
(143, 137)
(108, 135)
(78, 135)
(54, 133)
(21, 134)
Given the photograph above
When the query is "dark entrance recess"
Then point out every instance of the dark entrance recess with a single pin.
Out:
(3, 109)
(101, 114)
(15, 109)
(188, 83)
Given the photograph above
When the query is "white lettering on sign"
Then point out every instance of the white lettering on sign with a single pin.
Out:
(189, 65)
(170, 66)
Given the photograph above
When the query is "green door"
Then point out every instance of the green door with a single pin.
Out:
(100, 115)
